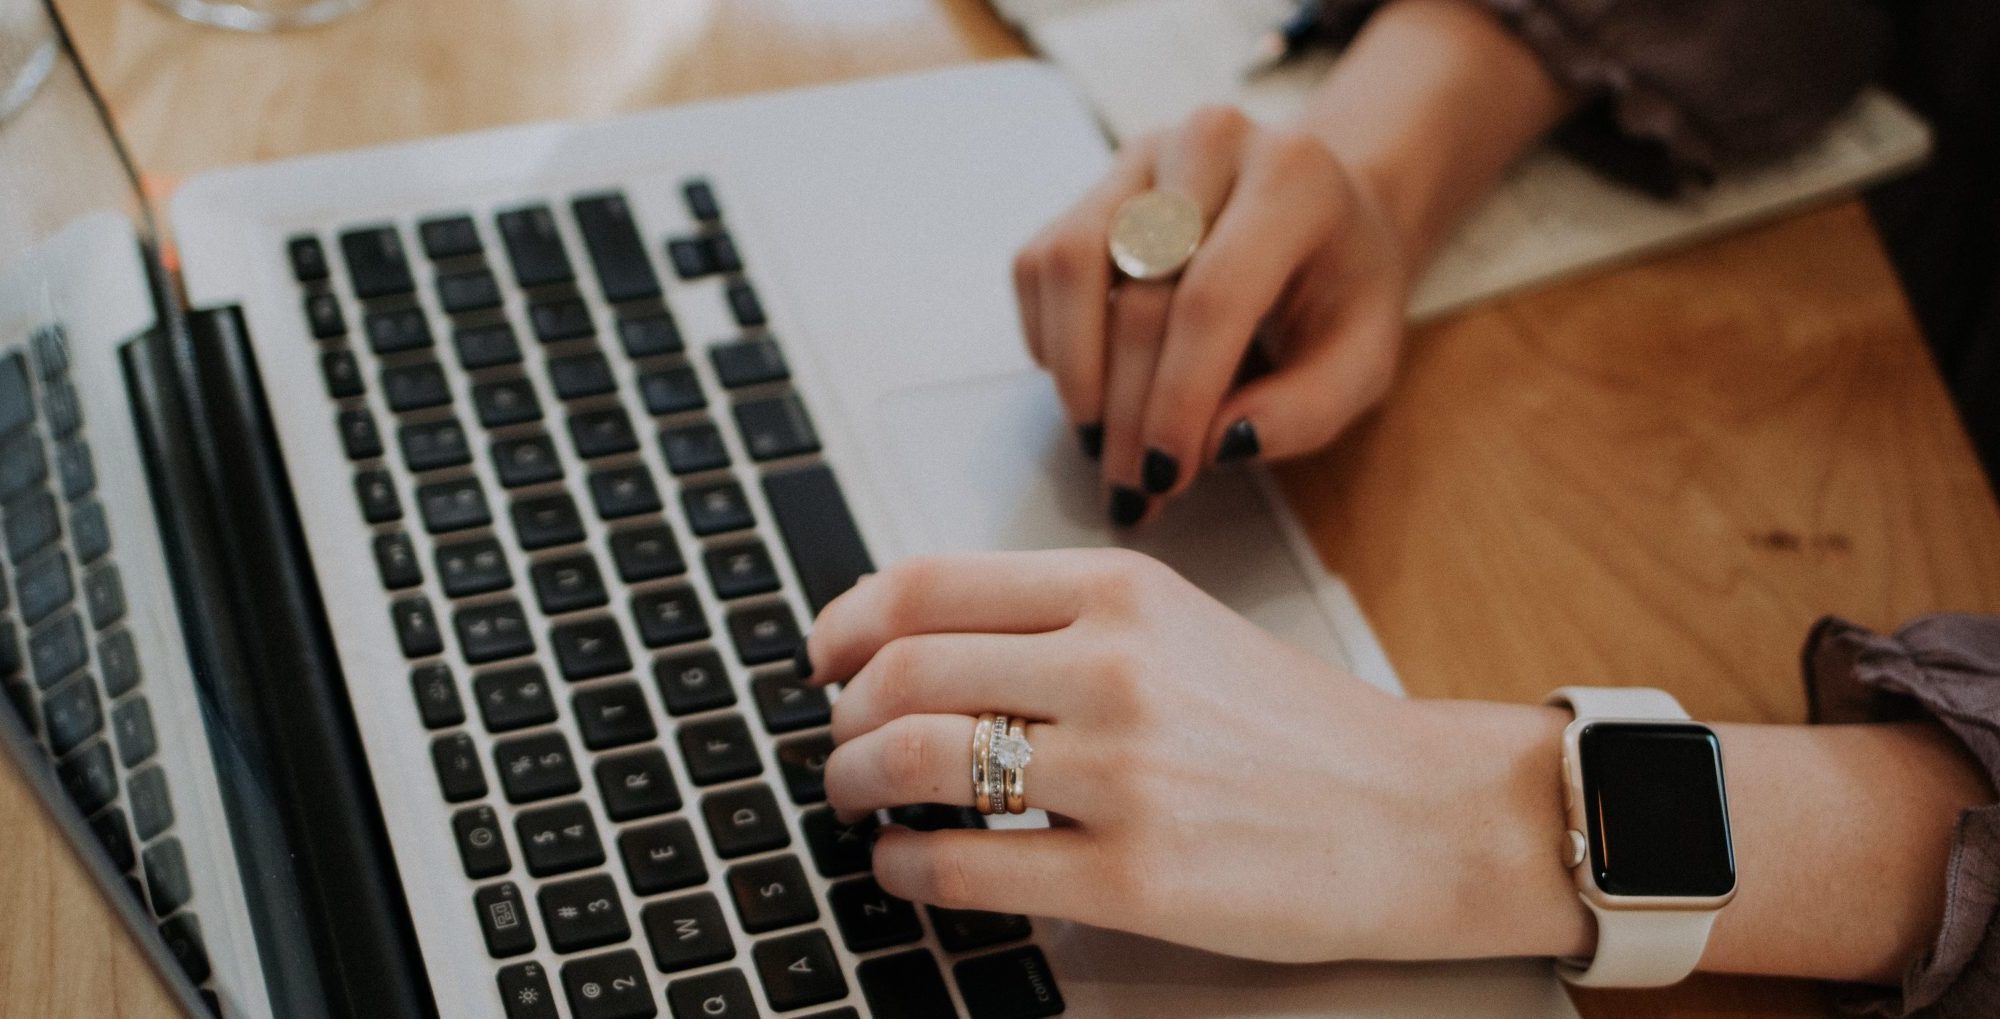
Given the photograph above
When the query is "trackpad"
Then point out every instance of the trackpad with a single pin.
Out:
(990, 464)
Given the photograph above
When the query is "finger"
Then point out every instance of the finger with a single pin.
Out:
(1306, 404)
(1038, 871)
(1138, 315)
(1027, 299)
(1281, 211)
(959, 673)
(928, 759)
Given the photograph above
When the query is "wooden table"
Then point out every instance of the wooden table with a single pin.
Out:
(1661, 474)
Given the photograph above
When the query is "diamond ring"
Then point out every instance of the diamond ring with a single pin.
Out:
(1000, 756)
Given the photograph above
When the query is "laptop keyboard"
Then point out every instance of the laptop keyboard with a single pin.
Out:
(68, 663)
(628, 828)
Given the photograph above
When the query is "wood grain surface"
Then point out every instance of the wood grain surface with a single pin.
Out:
(1657, 475)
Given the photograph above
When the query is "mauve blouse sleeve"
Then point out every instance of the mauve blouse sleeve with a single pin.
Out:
(1944, 667)
(1672, 90)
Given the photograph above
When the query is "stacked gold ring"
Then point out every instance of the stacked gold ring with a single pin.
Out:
(996, 787)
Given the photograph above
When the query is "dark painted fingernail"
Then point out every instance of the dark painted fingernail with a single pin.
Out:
(1238, 443)
(1127, 505)
(1091, 438)
(1159, 472)
(802, 663)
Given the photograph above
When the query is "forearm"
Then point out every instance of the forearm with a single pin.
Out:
(1430, 105)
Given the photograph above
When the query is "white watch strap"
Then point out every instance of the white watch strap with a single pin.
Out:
(1618, 702)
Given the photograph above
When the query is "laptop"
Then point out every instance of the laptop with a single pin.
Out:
(403, 568)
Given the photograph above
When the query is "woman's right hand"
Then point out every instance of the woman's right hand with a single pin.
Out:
(1297, 250)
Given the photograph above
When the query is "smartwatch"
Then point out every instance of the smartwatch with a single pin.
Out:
(1648, 833)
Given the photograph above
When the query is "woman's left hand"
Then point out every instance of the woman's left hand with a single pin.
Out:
(1207, 783)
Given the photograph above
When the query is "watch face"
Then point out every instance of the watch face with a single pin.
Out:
(1657, 814)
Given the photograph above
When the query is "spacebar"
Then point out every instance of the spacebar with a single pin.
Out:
(827, 552)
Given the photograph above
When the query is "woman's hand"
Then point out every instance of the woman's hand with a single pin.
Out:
(1208, 784)
(1297, 250)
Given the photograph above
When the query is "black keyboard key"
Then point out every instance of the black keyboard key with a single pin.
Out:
(488, 633)
(75, 470)
(1015, 984)
(716, 508)
(358, 434)
(450, 237)
(71, 713)
(602, 432)
(590, 648)
(788, 703)
(117, 662)
(146, 793)
(609, 986)
(749, 362)
(672, 616)
(525, 994)
(771, 893)
(514, 698)
(481, 848)
(473, 567)
(529, 460)
(799, 970)
(61, 409)
(966, 930)
(577, 376)
(323, 317)
(43, 586)
(558, 839)
(88, 533)
(487, 346)
(308, 259)
(690, 257)
(646, 553)
(452, 505)
(623, 492)
(764, 633)
(638, 784)
(718, 750)
(802, 763)
(456, 761)
(397, 330)
(662, 857)
(415, 387)
(649, 335)
(743, 304)
(613, 715)
(671, 390)
(434, 444)
(183, 937)
(612, 240)
(376, 263)
(91, 781)
(738, 571)
(503, 920)
(936, 817)
(906, 985)
(722, 252)
(506, 402)
(583, 913)
(870, 918)
(471, 290)
(826, 549)
(58, 649)
(342, 374)
(132, 723)
(838, 849)
(534, 247)
(687, 932)
(776, 427)
(379, 504)
(104, 594)
(701, 201)
(116, 838)
(32, 523)
(567, 584)
(724, 994)
(166, 876)
(546, 521)
(536, 767)
(565, 318)
(437, 696)
(744, 821)
(693, 448)
(21, 461)
(693, 681)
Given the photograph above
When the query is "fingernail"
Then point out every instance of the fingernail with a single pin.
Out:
(1091, 438)
(802, 663)
(1159, 472)
(1127, 505)
(1238, 443)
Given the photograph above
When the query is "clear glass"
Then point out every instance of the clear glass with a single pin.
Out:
(262, 15)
